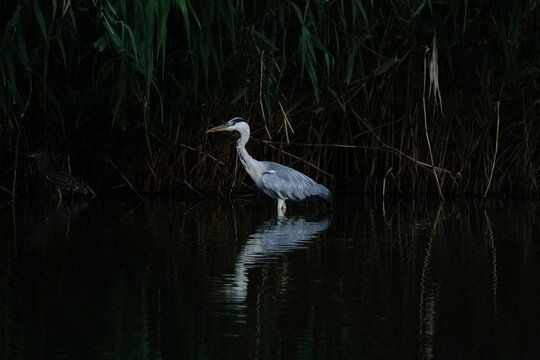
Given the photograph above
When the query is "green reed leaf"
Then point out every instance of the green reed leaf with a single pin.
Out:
(39, 18)
(239, 95)
(265, 39)
(386, 66)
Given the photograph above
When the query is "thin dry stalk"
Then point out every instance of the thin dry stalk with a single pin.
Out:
(495, 152)
(125, 178)
(297, 158)
(434, 74)
(151, 170)
(94, 194)
(263, 113)
(15, 167)
(391, 148)
(194, 190)
(384, 182)
(286, 122)
(426, 130)
(7, 190)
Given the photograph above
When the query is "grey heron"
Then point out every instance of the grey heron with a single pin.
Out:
(275, 180)
(58, 177)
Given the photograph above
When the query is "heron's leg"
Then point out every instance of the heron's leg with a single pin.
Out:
(281, 207)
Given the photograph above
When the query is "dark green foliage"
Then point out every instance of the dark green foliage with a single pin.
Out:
(137, 83)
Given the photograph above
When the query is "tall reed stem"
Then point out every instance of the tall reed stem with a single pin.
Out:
(426, 130)
(495, 152)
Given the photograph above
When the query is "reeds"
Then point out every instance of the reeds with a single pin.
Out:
(137, 83)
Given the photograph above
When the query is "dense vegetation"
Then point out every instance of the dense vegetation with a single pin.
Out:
(410, 96)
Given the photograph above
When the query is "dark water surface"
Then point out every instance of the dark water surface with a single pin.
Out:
(410, 278)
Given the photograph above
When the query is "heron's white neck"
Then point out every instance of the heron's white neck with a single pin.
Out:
(251, 165)
(243, 130)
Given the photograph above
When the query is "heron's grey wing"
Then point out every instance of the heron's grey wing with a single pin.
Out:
(282, 182)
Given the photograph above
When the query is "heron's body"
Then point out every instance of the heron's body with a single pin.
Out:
(62, 180)
(275, 180)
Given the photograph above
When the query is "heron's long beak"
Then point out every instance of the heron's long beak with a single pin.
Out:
(32, 156)
(221, 127)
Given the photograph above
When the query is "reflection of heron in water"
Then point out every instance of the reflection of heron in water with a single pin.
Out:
(64, 215)
(270, 241)
(55, 222)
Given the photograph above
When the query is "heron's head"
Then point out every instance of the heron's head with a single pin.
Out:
(40, 154)
(235, 124)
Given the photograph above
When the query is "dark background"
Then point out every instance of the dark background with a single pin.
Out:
(350, 92)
